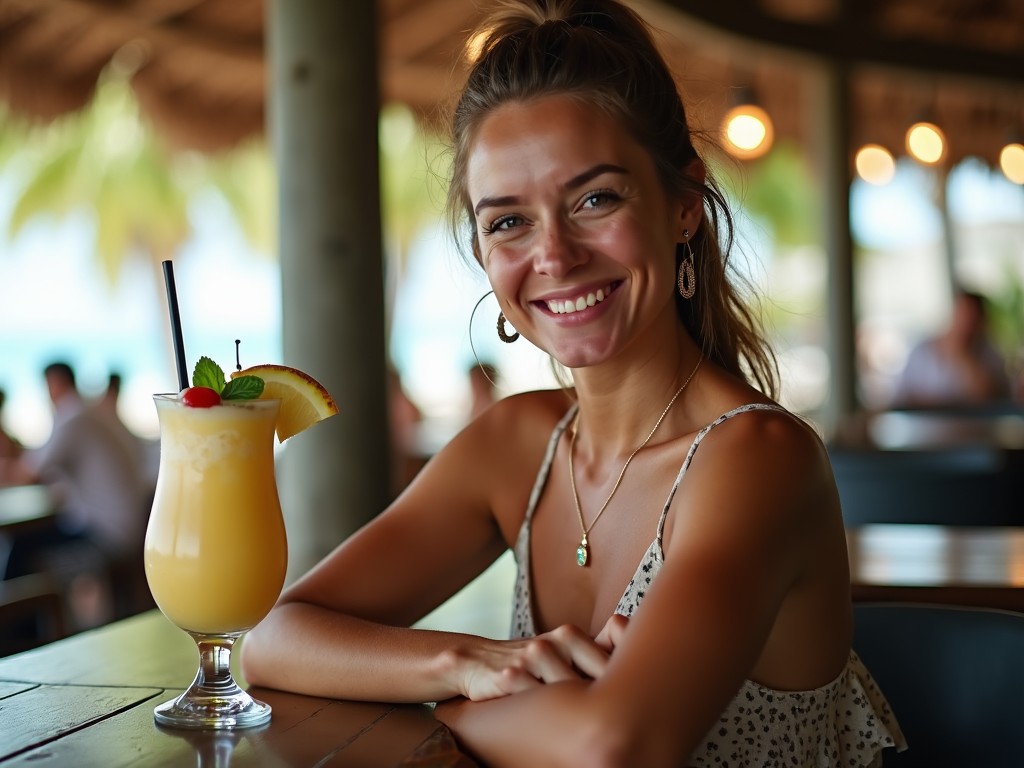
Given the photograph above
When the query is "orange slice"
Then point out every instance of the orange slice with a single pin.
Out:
(304, 401)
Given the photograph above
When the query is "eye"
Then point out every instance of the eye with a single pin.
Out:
(502, 223)
(598, 198)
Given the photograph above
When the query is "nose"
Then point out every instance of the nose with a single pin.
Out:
(557, 250)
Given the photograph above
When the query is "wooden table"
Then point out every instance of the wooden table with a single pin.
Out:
(938, 564)
(88, 701)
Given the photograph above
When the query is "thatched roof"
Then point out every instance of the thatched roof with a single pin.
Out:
(200, 74)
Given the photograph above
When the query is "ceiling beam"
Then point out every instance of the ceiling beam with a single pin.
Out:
(848, 41)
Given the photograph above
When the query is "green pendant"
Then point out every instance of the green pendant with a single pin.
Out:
(582, 553)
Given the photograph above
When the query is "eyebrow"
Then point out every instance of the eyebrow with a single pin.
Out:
(575, 181)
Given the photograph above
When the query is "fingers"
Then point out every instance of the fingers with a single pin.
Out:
(552, 657)
(565, 653)
(579, 650)
(611, 633)
(532, 664)
(516, 680)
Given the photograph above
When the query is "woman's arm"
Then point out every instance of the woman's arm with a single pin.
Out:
(747, 517)
(342, 629)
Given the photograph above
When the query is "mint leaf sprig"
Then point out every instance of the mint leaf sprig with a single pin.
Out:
(208, 374)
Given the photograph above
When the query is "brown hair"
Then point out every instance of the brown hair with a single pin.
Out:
(602, 52)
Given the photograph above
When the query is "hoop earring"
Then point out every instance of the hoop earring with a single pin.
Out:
(687, 277)
(502, 333)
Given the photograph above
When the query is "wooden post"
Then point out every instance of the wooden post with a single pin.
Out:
(842, 402)
(949, 249)
(323, 103)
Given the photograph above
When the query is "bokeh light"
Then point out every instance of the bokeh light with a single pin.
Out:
(875, 164)
(1011, 161)
(748, 131)
(926, 143)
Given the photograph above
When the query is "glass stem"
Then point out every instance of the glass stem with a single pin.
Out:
(214, 676)
(214, 700)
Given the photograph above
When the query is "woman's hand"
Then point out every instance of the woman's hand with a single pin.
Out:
(511, 666)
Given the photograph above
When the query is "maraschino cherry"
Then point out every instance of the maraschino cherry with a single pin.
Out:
(200, 397)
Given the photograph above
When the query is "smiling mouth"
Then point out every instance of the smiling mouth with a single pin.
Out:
(581, 302)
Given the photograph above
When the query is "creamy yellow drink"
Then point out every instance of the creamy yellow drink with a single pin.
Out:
(216, 550)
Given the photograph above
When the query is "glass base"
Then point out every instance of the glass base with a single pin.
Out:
(214, 700)
(197, 711)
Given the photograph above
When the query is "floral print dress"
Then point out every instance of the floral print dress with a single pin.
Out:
(846, 722)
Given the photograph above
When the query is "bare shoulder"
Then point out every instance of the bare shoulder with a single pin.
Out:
(777, 457)
(748, 430)
(512, 433)
(509, 436)
(526, 415)
(495, 458)
(765, 432)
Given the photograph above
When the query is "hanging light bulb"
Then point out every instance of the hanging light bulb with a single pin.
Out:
(1011, 161)
(926, 143)
(875, 164)
(748, 129)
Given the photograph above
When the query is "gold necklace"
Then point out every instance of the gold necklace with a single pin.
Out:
(583, 550)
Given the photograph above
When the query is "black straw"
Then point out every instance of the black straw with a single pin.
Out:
(179, 343)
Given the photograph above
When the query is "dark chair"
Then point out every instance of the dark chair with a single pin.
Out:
(121, 580)
(970, 486)
(31, 612)
(953, 677)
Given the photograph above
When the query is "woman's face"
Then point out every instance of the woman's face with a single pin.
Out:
(575, 230)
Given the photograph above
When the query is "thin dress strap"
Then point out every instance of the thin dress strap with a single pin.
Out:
(545, 465)
(522, 608)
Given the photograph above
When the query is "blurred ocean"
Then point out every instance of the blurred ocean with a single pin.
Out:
(56, 304)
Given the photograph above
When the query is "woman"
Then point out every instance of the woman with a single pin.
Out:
(589, 210)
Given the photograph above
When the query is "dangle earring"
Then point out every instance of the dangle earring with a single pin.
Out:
(687, 279)
(502, 333)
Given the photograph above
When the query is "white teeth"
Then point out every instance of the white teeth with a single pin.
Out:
(569, 306)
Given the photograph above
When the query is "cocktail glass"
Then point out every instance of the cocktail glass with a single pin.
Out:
(215, 551)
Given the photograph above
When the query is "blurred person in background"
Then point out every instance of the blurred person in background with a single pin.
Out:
(107, 406)
(102, 491)
(107, 402)
(10, 447)
(959, 367)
